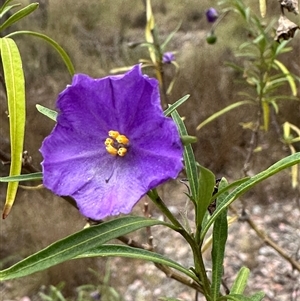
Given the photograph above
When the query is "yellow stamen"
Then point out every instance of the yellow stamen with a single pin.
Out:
(122, 139)
(117, 144)
(122, 151)
(111, 150)
(113, 134)
(109, 141)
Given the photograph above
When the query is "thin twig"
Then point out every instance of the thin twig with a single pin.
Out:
(267, 239)
(252, 145)
(170, 273)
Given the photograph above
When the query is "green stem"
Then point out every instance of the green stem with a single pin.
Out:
(199, 269)
(153, 195)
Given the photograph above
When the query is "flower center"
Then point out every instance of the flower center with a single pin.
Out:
(116, 144)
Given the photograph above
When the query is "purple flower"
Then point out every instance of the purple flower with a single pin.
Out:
(111, 144)
(168, 57)
(211, 15)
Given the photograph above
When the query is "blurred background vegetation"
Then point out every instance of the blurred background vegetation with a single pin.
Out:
(96, 34)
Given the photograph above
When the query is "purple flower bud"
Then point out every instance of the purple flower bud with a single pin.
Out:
(168, 57)
(211, 15)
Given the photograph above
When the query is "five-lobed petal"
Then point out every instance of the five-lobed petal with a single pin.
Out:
(76, 162)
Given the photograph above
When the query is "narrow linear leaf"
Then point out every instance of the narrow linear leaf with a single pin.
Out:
(263, 7)
(149, 30)
(275, 168)
(4, 6)
(189, 158)
(234, 297)
(169, 37)
(176, 104)
(266, 115)
(294, 169)
(47, 112)
(120, 69)
(141, 254)
(76, 244)
(15, 87)
(55, 45)
(228, 187)
(240, 281)
(19, 15)
(238, 297)
(219, 238)
(289, 77)
(186, 140)
(280, 48)
(4, 9)
(257, 296)
(27, 177)
(206, 186)
(223, 111)
(172, 83)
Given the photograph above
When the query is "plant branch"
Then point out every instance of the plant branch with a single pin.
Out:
(199, 270)
(252, 145)
(267, 239)
(165, 269)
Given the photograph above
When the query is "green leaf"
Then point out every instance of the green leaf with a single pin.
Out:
(47, 112)
(240, 281)
(206, 186)
(169, 37)
(266, 115)
(238, 297)
(186, 140)
(15, 87)
(223, 111)
(4, 9)
(19, 15)
(257, 296)
(263, 7)
(280, 48)
(76, 244)
(234, 297)
(4, 6)
(189, 158)
(149, 30)
(219, 237)
(275, 168)
(130, 252)
(55, 45)
(289, 77)
(27, 177)
(175, 105)
(228, 187)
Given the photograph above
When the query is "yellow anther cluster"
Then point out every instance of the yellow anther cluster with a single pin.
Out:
(122, 139)
(113, 134)
(116, 144)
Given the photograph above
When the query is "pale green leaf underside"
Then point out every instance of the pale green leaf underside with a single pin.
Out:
(15, 87)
